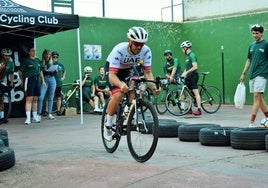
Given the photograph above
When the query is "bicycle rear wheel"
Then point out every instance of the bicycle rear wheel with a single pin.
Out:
(112, 145)
(142, 131)
(178, 102)
(160, 102)
(210, 99)
(7, 106)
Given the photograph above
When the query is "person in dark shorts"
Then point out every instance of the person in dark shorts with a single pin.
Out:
(30, 74)
(190, 74)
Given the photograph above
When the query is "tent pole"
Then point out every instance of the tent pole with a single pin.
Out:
(80, 75)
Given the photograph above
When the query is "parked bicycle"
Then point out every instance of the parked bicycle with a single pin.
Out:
(66, 97)
(137, 120)
(180, 101)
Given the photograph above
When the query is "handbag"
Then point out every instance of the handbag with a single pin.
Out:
(240, 95)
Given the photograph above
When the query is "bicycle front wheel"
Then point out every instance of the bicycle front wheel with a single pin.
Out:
(142, 131)
(178, 102)
(160, 102)
(210, 99)
(112, 145)
(5, 99)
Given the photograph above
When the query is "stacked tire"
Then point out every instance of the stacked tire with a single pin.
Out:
(249, 138)
(7, 154)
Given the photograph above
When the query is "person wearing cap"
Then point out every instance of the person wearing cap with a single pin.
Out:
(171, 68)
(257, 66)
(120, 62)
(6, 71)
(30, 74)
(88, 90)
(60, 76)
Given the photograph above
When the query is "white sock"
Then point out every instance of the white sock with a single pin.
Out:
(110, 120)
(28, 115)
(35, 115)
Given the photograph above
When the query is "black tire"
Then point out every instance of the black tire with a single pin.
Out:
(7, 158)
(211, 99)
(248, 138)
(3, 132)
(7, 107)
(190, 132)
(5, 140)
(160, 102)
(169, 130)
(174, 101)
(162, 122)
(266, 142)
(109, 146)
(215, 136)
(141, 144)
(2, 143)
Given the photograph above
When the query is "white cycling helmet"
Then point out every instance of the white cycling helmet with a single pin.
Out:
(137, 34)
(186, 44)
(6, 51)
(87, 69)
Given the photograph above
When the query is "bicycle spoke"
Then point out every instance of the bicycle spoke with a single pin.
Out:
(178, 102)
(142, 132)
(210, 99)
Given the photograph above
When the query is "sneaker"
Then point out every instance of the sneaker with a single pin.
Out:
(252, 125)
(190, 111)
(97, 110)
(108, 133)
(44, 113)
(37, 120)
(3, 120)
(27, 122)
(51, 117)
(59, 113)
(39, 117)
(197, 113)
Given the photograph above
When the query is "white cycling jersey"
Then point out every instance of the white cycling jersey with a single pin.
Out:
(120, 58)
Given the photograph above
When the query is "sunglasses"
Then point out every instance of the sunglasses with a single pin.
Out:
(138, 44)
(55, 56)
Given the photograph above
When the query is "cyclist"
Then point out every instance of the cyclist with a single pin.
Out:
(88, 89)
(6, 70)
(172, 68)
(121, 60)
(190, 74)
(101, 86)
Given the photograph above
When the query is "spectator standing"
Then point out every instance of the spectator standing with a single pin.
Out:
(60, 76)
(257, 65)
(30, 74)
(6, 71)
(190, 74)
(102, 86)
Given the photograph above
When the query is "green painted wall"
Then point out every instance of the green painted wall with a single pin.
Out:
(207, 37)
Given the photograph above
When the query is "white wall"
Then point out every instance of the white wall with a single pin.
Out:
(202, 9)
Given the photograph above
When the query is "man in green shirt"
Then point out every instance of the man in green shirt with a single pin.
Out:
(257, 65)
(6, 71)
(172, 68)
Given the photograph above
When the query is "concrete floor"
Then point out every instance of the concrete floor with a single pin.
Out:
(66, 154)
